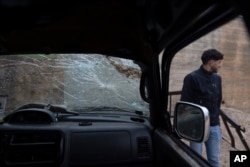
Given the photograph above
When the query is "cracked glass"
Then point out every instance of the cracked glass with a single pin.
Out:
(76, 81)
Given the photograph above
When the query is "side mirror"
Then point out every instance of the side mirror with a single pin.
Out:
(191, 121)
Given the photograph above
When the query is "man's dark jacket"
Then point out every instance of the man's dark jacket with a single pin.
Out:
(204, 88)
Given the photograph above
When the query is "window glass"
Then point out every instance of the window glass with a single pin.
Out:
(77, 81)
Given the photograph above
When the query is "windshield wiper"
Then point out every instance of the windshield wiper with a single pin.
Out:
(109, 109)
(59, 110)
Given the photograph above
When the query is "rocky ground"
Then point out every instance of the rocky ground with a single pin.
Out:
(242, 119)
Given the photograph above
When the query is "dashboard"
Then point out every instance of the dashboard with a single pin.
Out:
(73, 141)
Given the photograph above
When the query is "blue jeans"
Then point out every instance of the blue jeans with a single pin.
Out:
(212, 146)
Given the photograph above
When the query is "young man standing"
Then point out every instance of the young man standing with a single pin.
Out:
(203, 87)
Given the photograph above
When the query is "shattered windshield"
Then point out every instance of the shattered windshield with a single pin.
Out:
(76, 81)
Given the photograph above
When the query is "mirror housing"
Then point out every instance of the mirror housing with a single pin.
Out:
(191, 121)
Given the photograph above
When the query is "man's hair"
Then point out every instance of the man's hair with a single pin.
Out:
(211, 54)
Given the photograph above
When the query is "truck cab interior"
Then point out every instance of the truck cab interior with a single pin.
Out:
(86, 83)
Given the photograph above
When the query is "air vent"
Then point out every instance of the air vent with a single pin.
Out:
(143, 149)
(30, 139)
(32, 148)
